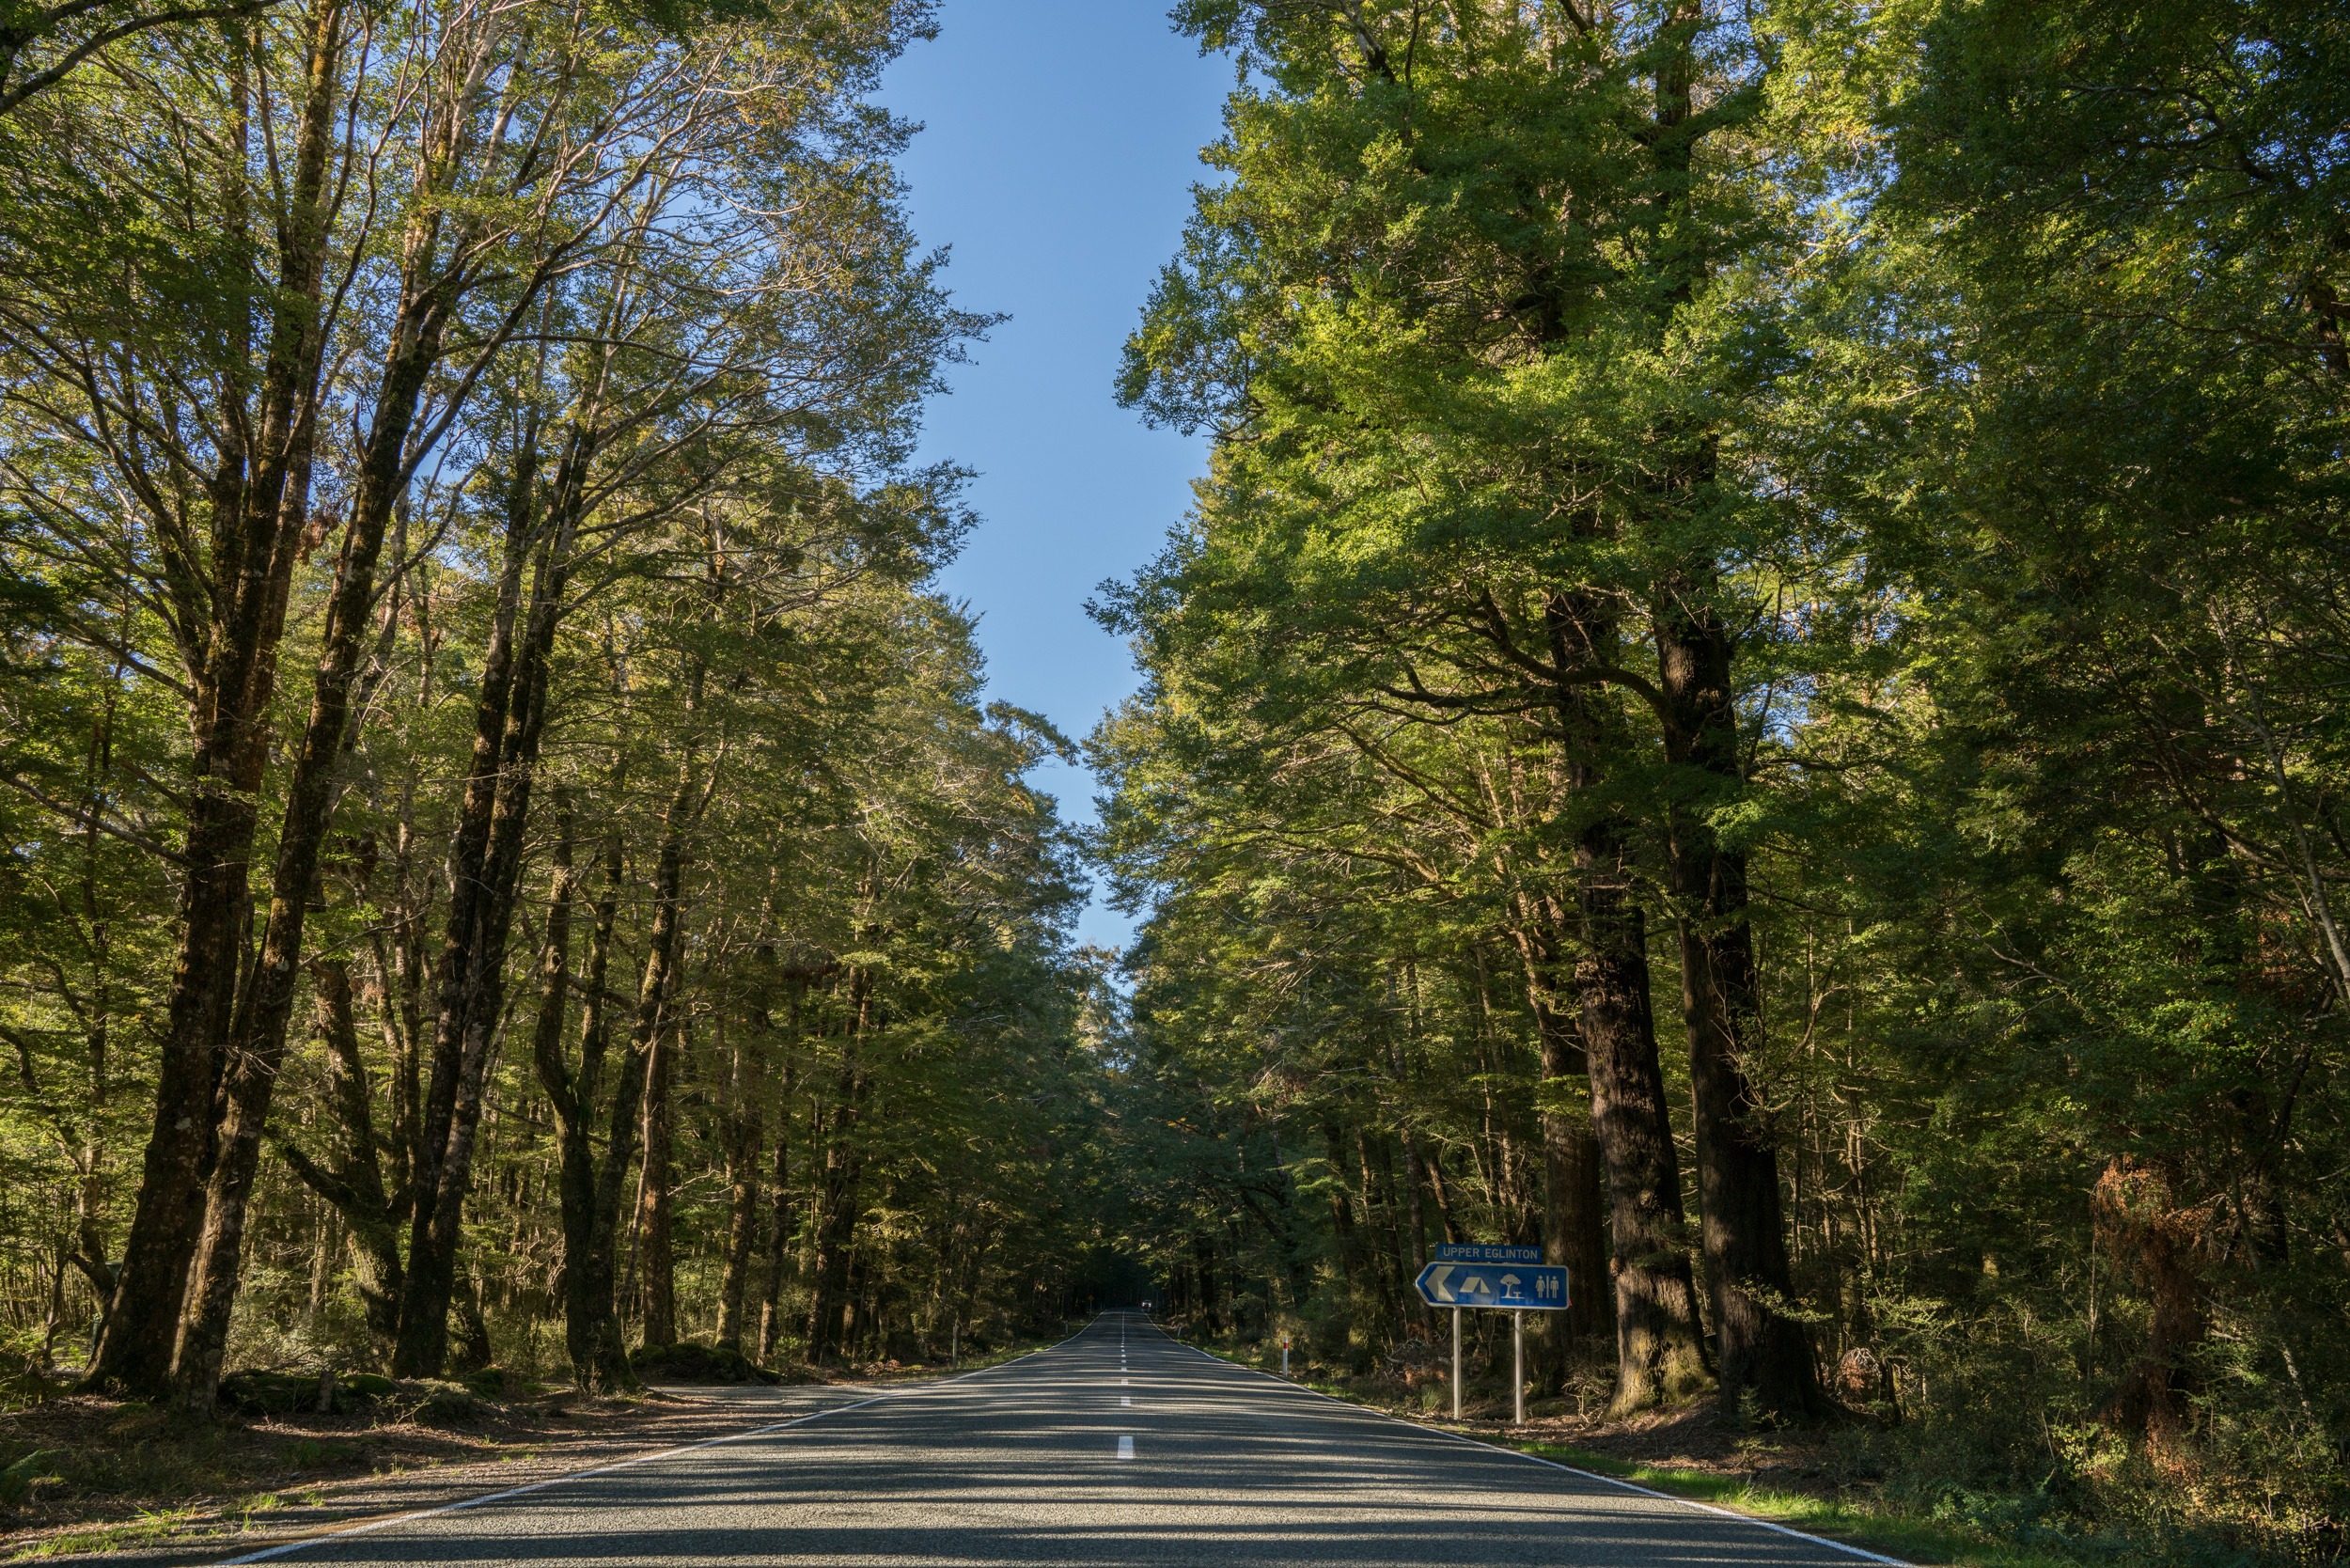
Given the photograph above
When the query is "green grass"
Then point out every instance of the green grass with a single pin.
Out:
(149, 1526)
(1839, 1519)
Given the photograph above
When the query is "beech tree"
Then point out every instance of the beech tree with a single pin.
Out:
(1846, 484)
(533, 377)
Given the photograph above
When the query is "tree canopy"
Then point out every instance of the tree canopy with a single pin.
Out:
(1831, 515)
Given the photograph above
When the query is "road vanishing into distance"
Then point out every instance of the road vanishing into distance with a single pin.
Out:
(1120, 1446)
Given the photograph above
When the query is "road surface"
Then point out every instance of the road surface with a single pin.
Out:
(1119, 1447)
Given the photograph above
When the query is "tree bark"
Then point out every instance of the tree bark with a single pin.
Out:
(355, 1186)
(574, 1095)
(1575, 1229)
(1660, 1349)
(745, 1130)
(472, 963)
(779, 1224)
(656, 1288)
(1763, 1351)
(261, 496)
(837, 1213)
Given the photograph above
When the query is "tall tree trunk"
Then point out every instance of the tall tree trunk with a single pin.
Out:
(838, 1203)
(1575, 1229)
(485, 876)
(657, 1260)
(1660, 1348)
(1660, 1345)
(1764, 1352)
(260, 501)
(262, 1016)
(471, 965)
(574, 1095)
(355, 1186)
(598, 1297)
(747, 1086)
(779, 1221)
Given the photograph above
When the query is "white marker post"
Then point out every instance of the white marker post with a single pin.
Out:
(1456, 1363)
(1517, 1364)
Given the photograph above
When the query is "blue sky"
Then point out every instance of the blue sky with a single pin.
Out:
(1060, 147)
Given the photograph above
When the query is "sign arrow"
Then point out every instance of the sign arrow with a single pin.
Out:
(1524, 1288)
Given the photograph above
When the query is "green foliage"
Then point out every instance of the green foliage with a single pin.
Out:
(674, 404)
(1991, 356)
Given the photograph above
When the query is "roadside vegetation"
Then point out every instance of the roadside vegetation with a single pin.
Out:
(1753, 697)
(1863, 1483)
(508, 865)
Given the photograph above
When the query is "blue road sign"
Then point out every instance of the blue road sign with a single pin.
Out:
(1514, 1287)
(1477, 1252)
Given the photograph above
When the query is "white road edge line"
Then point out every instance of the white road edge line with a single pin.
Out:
(283, 1548)
(1862, 1553)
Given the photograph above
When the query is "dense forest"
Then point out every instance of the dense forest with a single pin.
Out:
(1752, 696)
(507, 854)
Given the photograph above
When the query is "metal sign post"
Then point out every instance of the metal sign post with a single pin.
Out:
(1511, 1279)
(1517, 1367)
(1456, 1363)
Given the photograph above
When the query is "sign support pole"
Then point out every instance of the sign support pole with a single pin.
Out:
(1456, 1363)
(1517, 1364)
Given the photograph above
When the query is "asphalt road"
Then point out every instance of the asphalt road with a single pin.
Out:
(1121, 1445)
